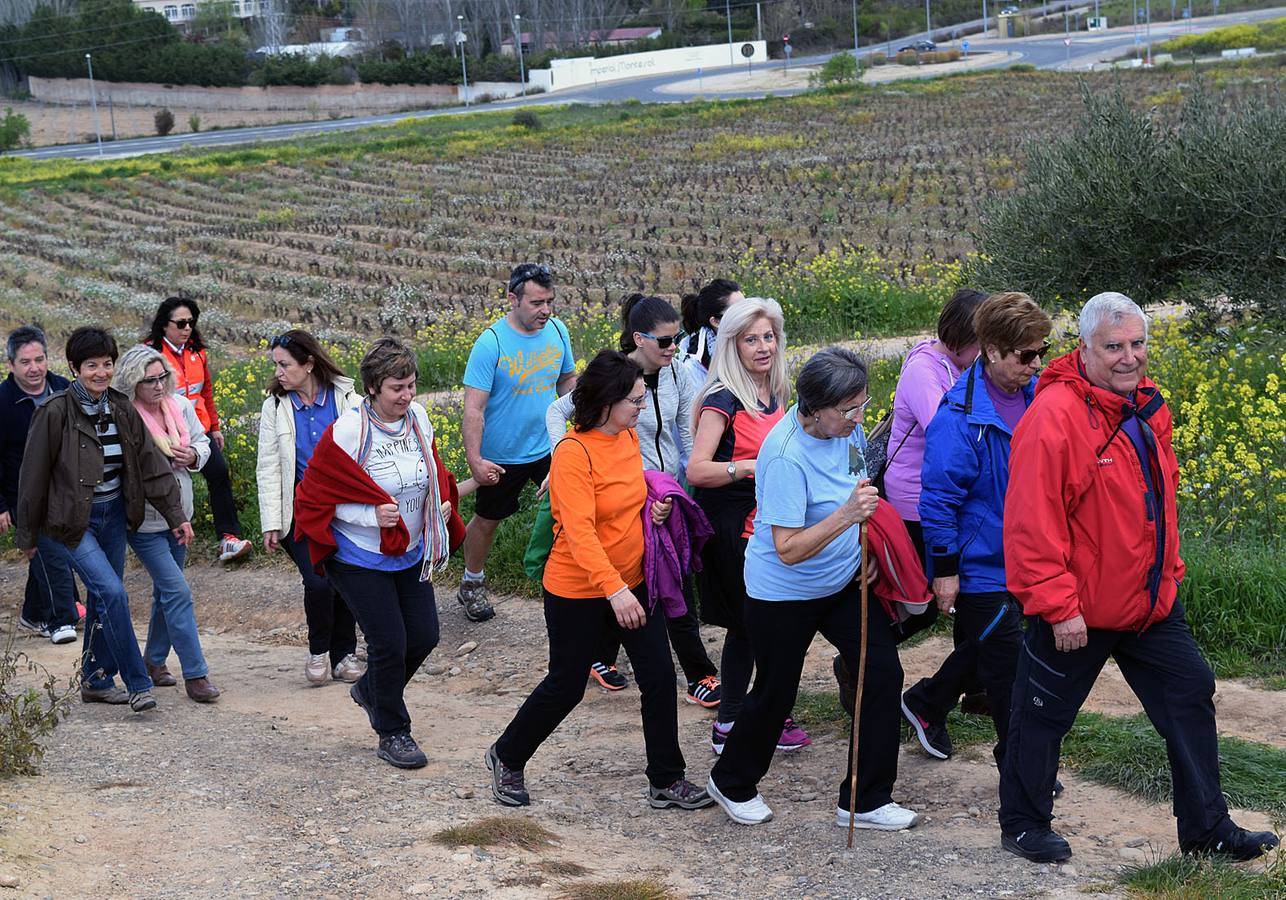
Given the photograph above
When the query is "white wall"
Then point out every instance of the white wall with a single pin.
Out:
(569, 73)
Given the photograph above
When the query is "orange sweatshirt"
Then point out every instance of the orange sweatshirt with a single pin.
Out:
(596, 495)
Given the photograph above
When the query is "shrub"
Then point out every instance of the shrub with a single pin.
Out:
(194, 122)
(14, 129)
(908, 58)
(1188, 210)
(842, 68)
(300, 71)
(1263, 36)
(527, 118)
(1022, 67)
(878, 59)
(28, 712)
(164, 121)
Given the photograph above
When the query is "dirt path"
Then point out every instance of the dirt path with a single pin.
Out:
(276, 790)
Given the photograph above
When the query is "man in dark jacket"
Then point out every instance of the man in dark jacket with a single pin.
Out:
(1092, 554)
(49, 607)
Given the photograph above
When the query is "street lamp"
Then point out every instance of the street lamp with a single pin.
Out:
(927, 26)
(727, 10)
(464, 66)
(855, 57)
(522, 74)
(93, 99)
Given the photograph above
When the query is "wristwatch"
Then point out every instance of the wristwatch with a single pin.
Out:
(732, 469)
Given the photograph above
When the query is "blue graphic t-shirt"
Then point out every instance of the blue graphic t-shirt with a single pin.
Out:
(520, 372)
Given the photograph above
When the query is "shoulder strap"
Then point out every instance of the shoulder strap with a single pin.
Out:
(589, 459)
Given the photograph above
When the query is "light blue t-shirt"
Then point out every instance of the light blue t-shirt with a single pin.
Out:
(520, 372)
(800, 480)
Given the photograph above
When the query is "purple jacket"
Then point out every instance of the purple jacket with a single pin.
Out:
(671, 550)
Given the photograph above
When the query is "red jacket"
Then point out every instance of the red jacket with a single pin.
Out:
(1078, 535)
(901, 587)
(333, 477)
(192, 380)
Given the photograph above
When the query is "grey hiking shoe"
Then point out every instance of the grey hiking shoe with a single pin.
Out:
(473, 597)
(401, 750)
(507, 785)
(683, 794)
(142, 701)
(114, 695)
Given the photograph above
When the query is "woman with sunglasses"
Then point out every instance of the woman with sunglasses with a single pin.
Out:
(802, 569)
(702, 313)
(594, 587)
(88, 474)
(743, 398)
(175, 334)
(307, 392)
(650, 336)
(172, 425)
(962, 505)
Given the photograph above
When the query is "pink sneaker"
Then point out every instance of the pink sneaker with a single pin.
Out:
(792, 737)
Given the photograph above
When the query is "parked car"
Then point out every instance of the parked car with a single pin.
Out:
(919, 47)
(1009, 11)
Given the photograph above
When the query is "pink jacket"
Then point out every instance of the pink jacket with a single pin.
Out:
(926, 376)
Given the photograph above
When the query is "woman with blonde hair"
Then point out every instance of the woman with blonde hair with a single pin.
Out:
(743, 397)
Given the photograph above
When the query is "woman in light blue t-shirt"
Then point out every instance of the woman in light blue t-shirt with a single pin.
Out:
(802, 566)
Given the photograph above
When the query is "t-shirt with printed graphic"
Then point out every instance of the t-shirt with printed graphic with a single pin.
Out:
(743, 434)
(520, 372)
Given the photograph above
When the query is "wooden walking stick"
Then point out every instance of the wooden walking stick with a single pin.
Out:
(857, 699)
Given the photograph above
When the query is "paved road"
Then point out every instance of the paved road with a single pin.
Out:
(1044, 52)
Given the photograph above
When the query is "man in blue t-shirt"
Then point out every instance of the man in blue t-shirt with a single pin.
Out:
(517, 367)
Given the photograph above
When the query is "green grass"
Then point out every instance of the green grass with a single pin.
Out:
(1235, 596)
(512, 831)
(631, 889)
(1186, 878)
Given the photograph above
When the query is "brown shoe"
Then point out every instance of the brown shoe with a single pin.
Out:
(161, 676)
(200, 689)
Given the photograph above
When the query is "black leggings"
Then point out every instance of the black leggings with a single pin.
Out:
(219, 486)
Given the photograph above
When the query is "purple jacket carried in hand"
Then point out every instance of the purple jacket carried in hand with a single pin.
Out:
(673, 549)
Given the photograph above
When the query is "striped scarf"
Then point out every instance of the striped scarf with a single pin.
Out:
(437, 545)
(101, 409)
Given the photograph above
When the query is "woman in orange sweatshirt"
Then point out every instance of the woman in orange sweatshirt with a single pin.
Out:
(594, 585)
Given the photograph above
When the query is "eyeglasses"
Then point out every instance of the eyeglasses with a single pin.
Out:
(664, 341)
(525, 273)
(1027, 356)
(853, 413)
(154, 380)
(182, 323)
(281, 340)
(637, 404)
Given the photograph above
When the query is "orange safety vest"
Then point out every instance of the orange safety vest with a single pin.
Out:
(192, 380)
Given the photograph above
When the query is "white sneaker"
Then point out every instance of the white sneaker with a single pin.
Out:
(317, 669)
(753, 812)
(231, 548)
(63, 634)
(348, 669)
(889, 817)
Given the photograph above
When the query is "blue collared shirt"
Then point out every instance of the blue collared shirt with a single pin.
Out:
(311, 422)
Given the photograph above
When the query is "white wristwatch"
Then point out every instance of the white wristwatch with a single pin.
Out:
(732, 469)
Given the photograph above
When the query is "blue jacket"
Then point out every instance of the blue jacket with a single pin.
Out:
(964, 478)
(16, 410)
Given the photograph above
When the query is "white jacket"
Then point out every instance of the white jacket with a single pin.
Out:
(153, 521)
(275, 470)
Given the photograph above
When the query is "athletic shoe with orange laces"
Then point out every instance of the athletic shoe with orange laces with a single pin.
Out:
(608, 678)
(705, 692)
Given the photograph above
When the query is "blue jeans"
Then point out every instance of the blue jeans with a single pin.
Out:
(173, 616)
(51, 587)
(110, 644)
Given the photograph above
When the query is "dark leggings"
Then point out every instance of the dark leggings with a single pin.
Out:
(685, 638)
(219, 486)
(331, 628)
(738, 663)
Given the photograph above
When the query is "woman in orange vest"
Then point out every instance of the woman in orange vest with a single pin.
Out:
(174, 332)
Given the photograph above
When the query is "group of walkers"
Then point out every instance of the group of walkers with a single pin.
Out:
(1037, 509)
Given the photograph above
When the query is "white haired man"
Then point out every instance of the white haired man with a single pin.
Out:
(1092, 554)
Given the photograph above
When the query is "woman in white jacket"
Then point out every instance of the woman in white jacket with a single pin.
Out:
(650, 335)
(306, 394)
(144, 375)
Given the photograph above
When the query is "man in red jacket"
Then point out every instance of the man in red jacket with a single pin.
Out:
(1092, 554)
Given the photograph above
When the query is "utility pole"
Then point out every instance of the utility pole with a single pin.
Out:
(727, 9)
(93, 99)
(1148, 20)
(855, 57)
(522, 73)
(464, 66)
(759, 20)
(1134, 28)
(928, 27)
(984, 18)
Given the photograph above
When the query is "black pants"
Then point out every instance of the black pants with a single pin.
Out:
(1167, 673)
(988, 637)
(576, 632)
(331, 628)
(917, 623)
(738, 663)
(219, 486)
(399, 617)
(685, 638)
(781, 632)
(51, 594)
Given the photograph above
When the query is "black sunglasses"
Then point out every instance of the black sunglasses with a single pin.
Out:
(525, 273)
(1026, 356)
(664, 341)
(281, 340)
(183, 323)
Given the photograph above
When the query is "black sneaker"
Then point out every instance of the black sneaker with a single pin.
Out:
(360, 701)
(1239, 845)
(401, 750)
(933, 736)
(1037, 845)
(683, 794)
(507, 784)
(608, 678)
(39, 629)
(1058, 789)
